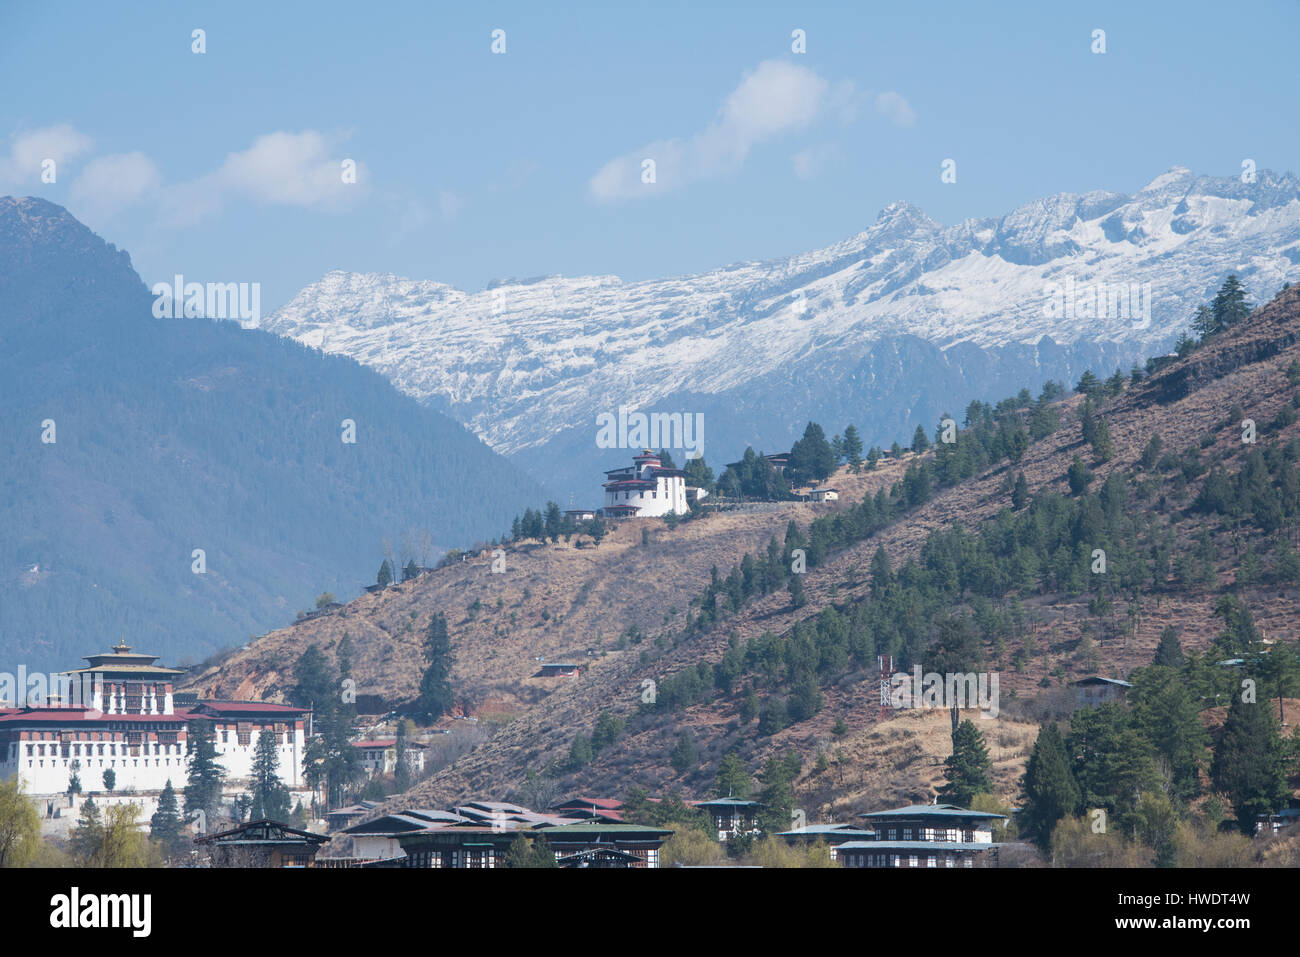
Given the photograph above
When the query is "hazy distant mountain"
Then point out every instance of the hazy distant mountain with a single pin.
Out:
(886, 329)
(179, 434)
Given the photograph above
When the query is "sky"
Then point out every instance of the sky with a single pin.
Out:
(228, 165)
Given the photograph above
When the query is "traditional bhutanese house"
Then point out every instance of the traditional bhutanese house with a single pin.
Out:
(601, 857)
(917, 854)
(924, 835)
(491, 812)
(459, 846)
(824, 495)
(1094, 691)
(380, 839)
(642, 843)
(262, 844)
(933, 822)
(831, 834)
(778, 460)
(606, 809)
(345, 816)
(580, 514)
(560, 669)
(645, 488)
(380, 756)
(731, 816)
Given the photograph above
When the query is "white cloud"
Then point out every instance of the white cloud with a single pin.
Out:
(109, 184)
(896, 108)
(776, 98)
(29, 150)
(281, 169)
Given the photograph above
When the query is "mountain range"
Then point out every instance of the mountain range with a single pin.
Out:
(888, 329)
(185, 482)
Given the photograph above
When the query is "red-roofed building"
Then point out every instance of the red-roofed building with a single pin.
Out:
(645, 488)
(128, 725)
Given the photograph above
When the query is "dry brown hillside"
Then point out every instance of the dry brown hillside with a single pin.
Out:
(559, 601)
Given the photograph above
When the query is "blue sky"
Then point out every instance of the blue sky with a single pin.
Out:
(225, 166)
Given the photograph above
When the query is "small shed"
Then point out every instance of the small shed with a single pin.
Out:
(1095, 690)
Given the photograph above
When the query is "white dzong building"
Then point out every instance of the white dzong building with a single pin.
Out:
(645, 489)
(124, 720)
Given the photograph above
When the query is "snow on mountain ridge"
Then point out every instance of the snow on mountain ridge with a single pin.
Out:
(521, 361)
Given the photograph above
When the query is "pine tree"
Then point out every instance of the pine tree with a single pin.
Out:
(811, 458)
(1250, 763)
(969, 770)
(1164, 712)
(733, 778)
(777, 795)
(685, 755)
(435, 686)
(543, 855)
(402, 762)
(853, 448)
(110, 780)
(1020, 493)
(385, 576)
(314, 686)
(596, 529)
(1102, 446)
(270, 796)
(920, 441)
(580, 753)
(1048, 787)
(410, 571)
(519, 853)
(1205, 323)
(1169, 653)
(87, 839)
(698, 474)
(881, 574)
(606, 732)
(344, 656)
(205, 774)
(797, 597)
(1088, 385)
(1079, 476)
(166, 824)
(1230, 305)
(1088, 422)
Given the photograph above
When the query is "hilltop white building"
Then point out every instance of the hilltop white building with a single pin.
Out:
(645, 489)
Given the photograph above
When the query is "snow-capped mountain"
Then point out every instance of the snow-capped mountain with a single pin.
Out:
(887, 328)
